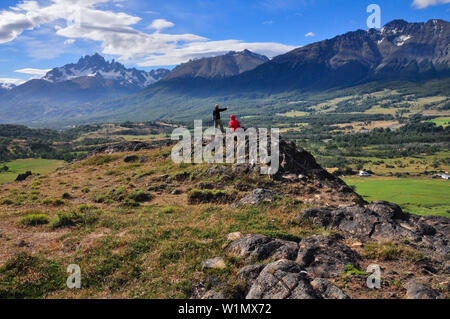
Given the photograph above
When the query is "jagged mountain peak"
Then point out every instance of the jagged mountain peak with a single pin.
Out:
(229, 64)
(398, 24)
(97, 66)
(249, 53)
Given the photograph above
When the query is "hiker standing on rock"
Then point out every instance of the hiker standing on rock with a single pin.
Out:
(216, 116)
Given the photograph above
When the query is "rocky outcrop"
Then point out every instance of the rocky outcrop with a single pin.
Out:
(285, 279)
(256, 197)
(325, 256)
(327, 290)
(280, 269)
(130, 158)
(295, 270)
(417, 290)
(319, 255)
(129, 146)
(384, 221)
(214, 263)
(260, 247)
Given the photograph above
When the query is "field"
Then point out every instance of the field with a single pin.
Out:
(442, 121)
(142, 137)
(20, 166)
(417, 196)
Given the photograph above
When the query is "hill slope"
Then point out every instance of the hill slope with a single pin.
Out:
(140, 226)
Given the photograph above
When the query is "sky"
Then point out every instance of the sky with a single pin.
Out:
(38, 35)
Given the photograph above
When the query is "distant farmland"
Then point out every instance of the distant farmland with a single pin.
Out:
(37, 166)
(417, 196)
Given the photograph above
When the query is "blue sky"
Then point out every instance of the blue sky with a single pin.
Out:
(38, 35)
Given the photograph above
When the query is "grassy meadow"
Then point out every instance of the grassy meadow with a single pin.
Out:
(417, 196)
(20, 166)
(442, 121)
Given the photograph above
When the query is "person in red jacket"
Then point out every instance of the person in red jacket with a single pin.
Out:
(234, 124)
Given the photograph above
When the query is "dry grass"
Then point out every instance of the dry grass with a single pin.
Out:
(151, 249)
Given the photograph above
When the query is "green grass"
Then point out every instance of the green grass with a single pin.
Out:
(34, 220)
(27, 276)
(416, 196)
(442, 121)
(20, 166)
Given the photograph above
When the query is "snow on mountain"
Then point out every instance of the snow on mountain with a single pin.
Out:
(7, 86)
(97, 66)
(399, 41)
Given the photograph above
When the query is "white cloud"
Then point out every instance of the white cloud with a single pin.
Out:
(160, 24)
(421, 4)
(31, 71)
(201, 49)
(11, 81)
(116, 34)
(69, 41)
(310, 34)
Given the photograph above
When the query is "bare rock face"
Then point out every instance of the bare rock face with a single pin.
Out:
(289, 275)
(417, 290)
(384, 221)
(250, 274)
(234, 236)
(325, 256)
(282, 279)
(129, 146)
(327, 290)
(285, 279)
(213, 295)
(214, 263)
(261, 247)
(130, 158)
(256, 197)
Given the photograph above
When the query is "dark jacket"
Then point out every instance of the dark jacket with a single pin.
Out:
(216, 113)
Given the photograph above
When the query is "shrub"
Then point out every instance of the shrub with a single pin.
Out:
(140, 196)
(386, 251)
(119, 194)
(197, 196)
(66, 196)
(34, 220)
(27, 276)
(6, 201)
(100, 199)
(129, 203)
(101, 160)
(54, 202)
(84, 215)
(351, 270)
(168, 210)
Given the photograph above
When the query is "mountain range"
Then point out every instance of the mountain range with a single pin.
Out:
(230, 64)
(97, 67)
(400, 51)
(91, 79)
